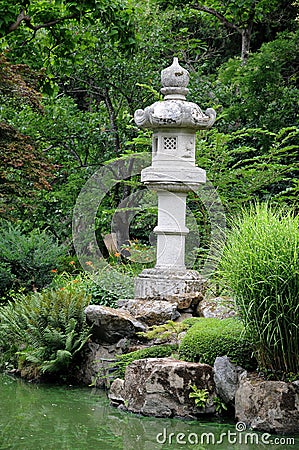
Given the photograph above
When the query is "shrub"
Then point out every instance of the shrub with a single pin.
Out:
(260, 264)
(108, 286)
(7, 278)
(209, 338)
(28, 261)
(104, 287)
(43, 333)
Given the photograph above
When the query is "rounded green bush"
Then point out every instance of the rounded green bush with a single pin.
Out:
(29, 261)
(7, 278)
(210, 337)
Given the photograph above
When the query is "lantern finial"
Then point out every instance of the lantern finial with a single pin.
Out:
(175, 80)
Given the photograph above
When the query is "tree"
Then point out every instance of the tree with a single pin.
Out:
(23, 168)
(252, 151)
(38, 14)
(247, 18)
(239, 17)
(25, 19)
(264, 92)
(23, 171)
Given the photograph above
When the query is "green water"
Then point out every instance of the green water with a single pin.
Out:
(42, 417)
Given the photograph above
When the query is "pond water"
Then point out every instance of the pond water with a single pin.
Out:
(43, 417)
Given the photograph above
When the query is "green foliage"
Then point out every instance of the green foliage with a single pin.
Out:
(156, 351)
(201, 396)
(220, 406)
(260, 264)
(44, 333)
(75, 144)
(108, 286)
(7, 278)
(104, 287)
(210, 338)
(264, 92)
(26, 19)
(28, 261)
(252, 162)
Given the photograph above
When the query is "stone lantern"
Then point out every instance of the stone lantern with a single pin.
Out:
(173, 173)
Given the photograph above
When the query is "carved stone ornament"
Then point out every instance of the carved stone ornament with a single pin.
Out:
(174, 111)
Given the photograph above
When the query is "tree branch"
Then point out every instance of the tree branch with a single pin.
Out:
(27, 19)
(218, 15)
(22, 16)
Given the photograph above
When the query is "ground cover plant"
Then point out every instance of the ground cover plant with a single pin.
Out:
(156, 351)
(261, 266)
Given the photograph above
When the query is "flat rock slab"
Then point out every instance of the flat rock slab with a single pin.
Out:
(271, 406)
(151, 312)
(160, 387)
(218, 307)
(111, 325)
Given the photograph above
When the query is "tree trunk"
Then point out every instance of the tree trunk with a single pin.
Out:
(246, 39)
(121, 224)
(112, 118)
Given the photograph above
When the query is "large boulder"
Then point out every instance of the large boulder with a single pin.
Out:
(110, 325)
(99, 361)
(151, 312)
(271, 406)
(161, 386)
(226, 377)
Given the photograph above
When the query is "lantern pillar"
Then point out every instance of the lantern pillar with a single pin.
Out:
(172, 175)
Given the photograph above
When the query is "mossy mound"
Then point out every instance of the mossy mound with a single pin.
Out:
(210, 337)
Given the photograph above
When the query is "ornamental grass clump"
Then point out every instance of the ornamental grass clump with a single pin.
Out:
(260, 264)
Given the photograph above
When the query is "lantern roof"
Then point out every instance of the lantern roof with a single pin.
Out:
(174, 111)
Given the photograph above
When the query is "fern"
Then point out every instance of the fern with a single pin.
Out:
(62, 361)
(44, 331)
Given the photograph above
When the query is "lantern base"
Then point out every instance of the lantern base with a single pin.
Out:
(169, 285)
